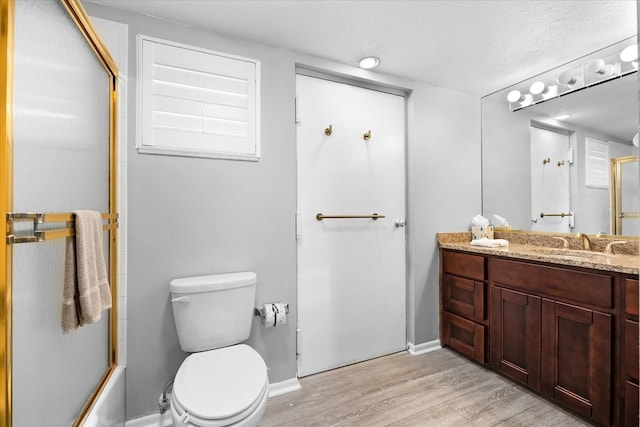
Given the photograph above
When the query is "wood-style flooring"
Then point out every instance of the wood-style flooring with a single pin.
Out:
(439, 388)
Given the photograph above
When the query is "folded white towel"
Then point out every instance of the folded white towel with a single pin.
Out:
(490, 243)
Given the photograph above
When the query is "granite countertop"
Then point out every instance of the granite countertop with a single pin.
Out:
(625, 262)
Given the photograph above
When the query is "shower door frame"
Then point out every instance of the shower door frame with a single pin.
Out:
(81, 19)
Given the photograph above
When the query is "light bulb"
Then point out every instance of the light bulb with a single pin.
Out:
(537, 88)
(515, 96)
(566, 78)
(629, 53)
(601, 68)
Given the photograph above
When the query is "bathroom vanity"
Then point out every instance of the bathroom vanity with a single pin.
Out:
(562, 322)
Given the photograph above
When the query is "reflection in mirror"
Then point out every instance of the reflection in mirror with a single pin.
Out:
(625, 204)
(546, 150)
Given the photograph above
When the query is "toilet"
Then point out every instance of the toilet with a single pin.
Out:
(223, 382)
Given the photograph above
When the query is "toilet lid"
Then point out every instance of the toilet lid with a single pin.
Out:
(220, 383)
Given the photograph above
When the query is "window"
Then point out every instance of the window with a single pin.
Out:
(597, 163)
(196, 102)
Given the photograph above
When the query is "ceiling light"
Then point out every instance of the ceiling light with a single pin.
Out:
(369, 62)
(629, 53)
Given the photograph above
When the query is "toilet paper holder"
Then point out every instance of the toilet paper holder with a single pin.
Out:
(256, 311)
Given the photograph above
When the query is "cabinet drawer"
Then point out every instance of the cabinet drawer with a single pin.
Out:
(631, 349)
(465, 336)
(569, 285)
(471, 266)
(464, 296)
(631, 296)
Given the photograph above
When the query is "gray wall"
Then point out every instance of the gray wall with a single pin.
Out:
(190, 216)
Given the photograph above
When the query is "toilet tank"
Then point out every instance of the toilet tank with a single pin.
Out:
(213, 311)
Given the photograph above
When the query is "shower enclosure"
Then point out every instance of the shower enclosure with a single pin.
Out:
(625, 206)
(58, 95)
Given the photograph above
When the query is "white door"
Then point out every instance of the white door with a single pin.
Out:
(550, 201)
(351, 271)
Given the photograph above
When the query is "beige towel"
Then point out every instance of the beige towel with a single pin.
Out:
(70, 316)
(91, 293)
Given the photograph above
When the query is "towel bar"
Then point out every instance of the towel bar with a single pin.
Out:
(562, 214)
(38, 218)
(373, 216)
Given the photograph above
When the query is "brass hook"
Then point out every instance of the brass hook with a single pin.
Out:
(561, 163)
(547, 160)
(328, 131)
(367, 135)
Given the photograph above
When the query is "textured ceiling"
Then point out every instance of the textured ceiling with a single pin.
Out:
(476, 47)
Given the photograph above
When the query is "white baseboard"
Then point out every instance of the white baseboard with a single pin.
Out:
(287, 386)
(153, 420)
(425, 347)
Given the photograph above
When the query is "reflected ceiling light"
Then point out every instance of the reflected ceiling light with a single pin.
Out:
(562, 116)
(566, 78)
(601, 68)
(538, 87)
(515, 96)
(629, 53)
(369, 62)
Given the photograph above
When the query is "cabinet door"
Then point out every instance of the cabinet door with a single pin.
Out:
(515, 335)
(576, 358)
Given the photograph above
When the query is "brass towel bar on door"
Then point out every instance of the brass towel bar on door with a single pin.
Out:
(37, 234)
(374, 216)
(562, 214)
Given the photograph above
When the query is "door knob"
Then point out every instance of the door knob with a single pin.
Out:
(400, 222)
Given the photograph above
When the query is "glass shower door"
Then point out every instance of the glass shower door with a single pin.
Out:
(61, 163)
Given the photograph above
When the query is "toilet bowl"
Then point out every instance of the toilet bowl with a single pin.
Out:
(222, 387)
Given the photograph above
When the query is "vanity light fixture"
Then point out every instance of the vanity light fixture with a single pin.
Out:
(369, 62)
(608, 64)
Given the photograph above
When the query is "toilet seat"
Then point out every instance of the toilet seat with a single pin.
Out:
(220, 387)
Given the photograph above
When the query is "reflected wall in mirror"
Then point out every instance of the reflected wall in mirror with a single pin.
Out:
(524, 151)
(625, 204)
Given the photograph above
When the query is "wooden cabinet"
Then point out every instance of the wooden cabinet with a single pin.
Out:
(545, 334)
(568, 333)
(463, 293)
(629, 381)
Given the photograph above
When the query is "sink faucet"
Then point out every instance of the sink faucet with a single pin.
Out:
(609, 248)
(565, 242)
(586, 242)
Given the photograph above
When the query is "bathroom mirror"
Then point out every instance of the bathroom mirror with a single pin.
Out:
(600, 119)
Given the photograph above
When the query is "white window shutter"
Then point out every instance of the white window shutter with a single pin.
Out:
(196, 102)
